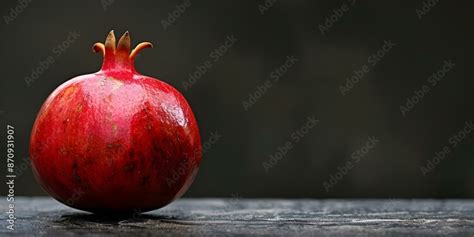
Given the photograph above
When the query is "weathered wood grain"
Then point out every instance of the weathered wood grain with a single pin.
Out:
(262, 217)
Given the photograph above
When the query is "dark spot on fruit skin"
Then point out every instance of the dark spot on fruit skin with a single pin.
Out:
(114, 146)
(89, 161)
(144, 180)
(129, 167)
(131, 154)
(75, 176)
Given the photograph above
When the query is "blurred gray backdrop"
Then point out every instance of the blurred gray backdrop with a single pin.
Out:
(303, 99)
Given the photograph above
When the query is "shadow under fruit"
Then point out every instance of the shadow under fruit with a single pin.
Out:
(115, 141)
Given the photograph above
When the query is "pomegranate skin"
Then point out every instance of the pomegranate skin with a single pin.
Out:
(115, 141)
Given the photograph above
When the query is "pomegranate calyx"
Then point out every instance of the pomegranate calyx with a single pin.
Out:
(118, 56)
(138, 48)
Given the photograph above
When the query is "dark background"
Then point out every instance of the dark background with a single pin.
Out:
(232, 167)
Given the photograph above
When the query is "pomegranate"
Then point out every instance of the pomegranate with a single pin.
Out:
(115, 141)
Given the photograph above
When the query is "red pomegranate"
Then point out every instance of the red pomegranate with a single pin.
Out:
(115, 141)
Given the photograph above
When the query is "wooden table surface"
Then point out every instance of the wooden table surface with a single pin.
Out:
(244, 217)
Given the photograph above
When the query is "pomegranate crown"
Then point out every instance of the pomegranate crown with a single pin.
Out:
(118, 55)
